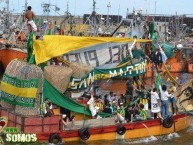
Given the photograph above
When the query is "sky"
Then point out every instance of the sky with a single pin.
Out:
(118, 7)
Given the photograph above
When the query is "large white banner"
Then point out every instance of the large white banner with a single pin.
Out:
(100, 55)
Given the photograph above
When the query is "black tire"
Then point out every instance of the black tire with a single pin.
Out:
(84, 133)
(121, 130)
(168, 122)
(55, 138)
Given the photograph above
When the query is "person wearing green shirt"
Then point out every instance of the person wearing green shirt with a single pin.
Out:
(120, 114)
(30, 55)
(143, 113)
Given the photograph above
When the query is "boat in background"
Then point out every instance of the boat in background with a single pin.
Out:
(8, 53)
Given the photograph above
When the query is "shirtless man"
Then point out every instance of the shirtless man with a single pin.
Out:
(29, 15)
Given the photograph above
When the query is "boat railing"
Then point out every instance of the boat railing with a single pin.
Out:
(31, 124)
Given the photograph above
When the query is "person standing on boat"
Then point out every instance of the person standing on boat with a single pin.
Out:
(94, 110)
(29, 15)
(30, 55)
(173, 100)
(155, 101)
(129, 88)
(157, 59)
(46, 111)
(164, 101)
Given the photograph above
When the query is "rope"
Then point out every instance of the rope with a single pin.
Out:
(67, 63)
(170, 76)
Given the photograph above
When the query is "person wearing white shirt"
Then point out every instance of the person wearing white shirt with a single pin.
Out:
(94, 110)
(164, 101)
(173, 100)
(110, 97)
(155, 107)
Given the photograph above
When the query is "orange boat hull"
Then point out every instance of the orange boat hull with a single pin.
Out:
(44, 126)
(6, 55)
(190, 68)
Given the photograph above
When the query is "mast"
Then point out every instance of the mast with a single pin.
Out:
(93, 24)
(7, 15)
(94, 17)
(26, 5)
(155, 7)
(108, 7)
(7, 1)
(67, 9)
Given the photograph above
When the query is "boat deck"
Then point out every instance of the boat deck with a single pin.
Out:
(91, 123)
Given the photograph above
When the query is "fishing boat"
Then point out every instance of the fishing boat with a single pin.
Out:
(22, 109)
(8, 54)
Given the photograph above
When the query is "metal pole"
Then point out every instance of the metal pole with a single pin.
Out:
(155, 6)
(26, 5)
(7, 5)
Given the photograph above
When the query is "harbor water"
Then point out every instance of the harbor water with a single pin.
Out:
(184, 137)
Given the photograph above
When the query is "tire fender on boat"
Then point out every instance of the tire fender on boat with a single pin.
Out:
(168, 122)
(121, 130)
(55, 138)
(84, 133)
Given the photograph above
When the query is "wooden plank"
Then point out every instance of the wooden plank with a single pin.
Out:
(91, 123)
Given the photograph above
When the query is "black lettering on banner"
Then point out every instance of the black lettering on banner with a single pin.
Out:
(110, 54)
(118, 48)
(79, 58)
(75, 56)
(67, 57)
(94, 53)
(86, 58)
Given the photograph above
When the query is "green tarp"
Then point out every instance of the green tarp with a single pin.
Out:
(166, 47)
(61, 100)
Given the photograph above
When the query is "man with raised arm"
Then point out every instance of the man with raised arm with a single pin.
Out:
(29, 15)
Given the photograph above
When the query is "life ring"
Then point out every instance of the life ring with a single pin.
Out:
(121, 130)
(84, 133)
(168, 122)
(55, 138)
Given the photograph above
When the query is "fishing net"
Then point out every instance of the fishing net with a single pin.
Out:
(80, 70)
(24, 71)
(58, 76)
